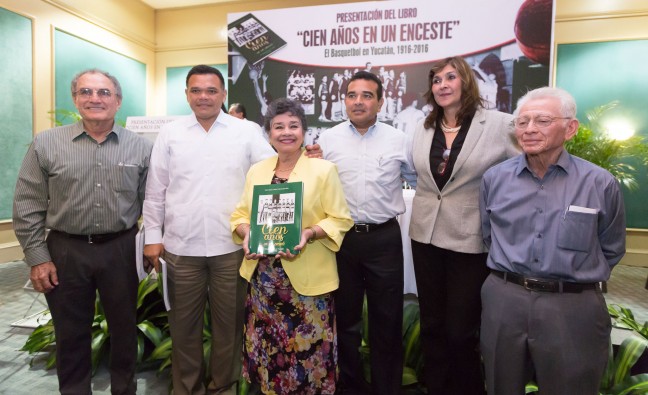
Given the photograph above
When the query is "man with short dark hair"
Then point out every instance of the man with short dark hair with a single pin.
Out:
(371, 158)
(198, 169)
(197, 175)
(85, 183)
(555, 227)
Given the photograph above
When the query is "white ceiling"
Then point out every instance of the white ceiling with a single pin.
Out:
(159, 4)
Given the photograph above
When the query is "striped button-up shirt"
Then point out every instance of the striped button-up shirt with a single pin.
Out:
(70, 183)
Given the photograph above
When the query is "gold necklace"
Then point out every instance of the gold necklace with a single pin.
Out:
(447, 129)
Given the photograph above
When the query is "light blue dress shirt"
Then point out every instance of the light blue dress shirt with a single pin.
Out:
(569, 225)
(371, 167)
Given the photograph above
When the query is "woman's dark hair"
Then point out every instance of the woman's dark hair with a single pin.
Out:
(283, 106)
(470, 99)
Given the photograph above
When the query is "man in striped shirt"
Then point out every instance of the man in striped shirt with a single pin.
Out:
(85, 183)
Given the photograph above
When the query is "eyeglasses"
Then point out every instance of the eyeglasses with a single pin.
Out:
(88, 92)
(541, 121)
(444, 165)
(208, 91)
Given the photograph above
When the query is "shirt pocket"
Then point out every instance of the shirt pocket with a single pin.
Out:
(384, 169)
(577, 231)
(128, 177)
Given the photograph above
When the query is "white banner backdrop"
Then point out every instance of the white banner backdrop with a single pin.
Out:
(308, 53)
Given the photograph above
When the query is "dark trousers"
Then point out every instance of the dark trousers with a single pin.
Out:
(372, 263)
(561, 339)
(82, 269)
(448, 285)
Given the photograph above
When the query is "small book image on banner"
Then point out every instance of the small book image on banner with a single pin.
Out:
(252, 39)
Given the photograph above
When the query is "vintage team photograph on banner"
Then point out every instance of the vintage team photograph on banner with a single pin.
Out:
(311, 56)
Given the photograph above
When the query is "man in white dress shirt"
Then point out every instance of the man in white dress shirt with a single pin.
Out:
(371, 158)
(197, 172)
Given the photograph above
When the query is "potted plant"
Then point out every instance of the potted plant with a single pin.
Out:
(616, 156)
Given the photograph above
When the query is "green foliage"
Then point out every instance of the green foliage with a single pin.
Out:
(161, 354)
(412, 355)
(616, 378)
(531, 388)
(619, 157)
(623, 318)
(42, 339)
(151, 323)
(62, 116)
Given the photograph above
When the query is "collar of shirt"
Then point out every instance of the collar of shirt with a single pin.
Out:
(223, 118)
(369, 130)
(564, 162)
(78, 130)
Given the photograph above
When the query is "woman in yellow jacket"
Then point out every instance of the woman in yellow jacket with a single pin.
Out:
(290, 342)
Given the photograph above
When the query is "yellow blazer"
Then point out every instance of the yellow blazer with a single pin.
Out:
(314, 270)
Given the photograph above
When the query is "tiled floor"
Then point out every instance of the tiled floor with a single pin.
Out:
(626, 287)
(16, 375)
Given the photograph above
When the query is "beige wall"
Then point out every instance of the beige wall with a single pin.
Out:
(194, 35)
(124, 26)
(197, 35)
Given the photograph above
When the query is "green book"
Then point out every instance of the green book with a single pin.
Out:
(254, 40)
(275, 222)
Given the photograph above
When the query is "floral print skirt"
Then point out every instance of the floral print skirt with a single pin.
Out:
(290, 339)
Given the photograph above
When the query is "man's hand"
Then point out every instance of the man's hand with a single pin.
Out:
(43, 277)
(152, 253)
(313, 151)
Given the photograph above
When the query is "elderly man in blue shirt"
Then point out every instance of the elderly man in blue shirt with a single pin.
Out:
(555, 227)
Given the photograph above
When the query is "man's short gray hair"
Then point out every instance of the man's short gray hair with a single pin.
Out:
(567, 102)
(112, 78)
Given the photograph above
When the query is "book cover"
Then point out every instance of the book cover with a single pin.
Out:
(252, 39)
(275, 222)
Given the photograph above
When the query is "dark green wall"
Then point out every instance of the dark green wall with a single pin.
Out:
(16, 98)
(598, 73)
(73, 54)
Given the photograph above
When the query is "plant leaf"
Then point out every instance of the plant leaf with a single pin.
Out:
(409, 376)
(162, 351)
(153, 333)
(635, 385)
(629, 352)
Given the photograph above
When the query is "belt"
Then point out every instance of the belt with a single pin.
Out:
(98, 238)
(366, 228)
(543, 285)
